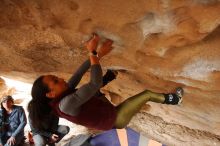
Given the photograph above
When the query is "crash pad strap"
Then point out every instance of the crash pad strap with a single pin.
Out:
(154, 143)
(143, 141)
(122, 136)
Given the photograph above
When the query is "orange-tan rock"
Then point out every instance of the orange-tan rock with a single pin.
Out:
(159, 45)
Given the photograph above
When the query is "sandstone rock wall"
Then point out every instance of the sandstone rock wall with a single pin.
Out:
(159, 45)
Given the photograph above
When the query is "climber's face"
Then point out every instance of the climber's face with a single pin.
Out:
(57, 86)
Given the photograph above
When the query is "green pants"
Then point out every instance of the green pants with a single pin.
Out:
(127, 109)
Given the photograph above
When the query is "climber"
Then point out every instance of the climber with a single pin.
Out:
(85, 105)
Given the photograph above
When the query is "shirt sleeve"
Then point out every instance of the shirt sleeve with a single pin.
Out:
(71, 103)
(23, 122)
(77, 76)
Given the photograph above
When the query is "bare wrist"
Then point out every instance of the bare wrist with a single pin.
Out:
(94, 59)
(99, 55)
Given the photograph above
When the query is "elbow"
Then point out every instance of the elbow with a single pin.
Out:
(97, 85)
(96, 77)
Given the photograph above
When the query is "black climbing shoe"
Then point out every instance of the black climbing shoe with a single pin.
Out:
(109, 76)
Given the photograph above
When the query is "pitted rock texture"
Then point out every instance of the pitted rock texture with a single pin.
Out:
(3, 87)
(158, 45)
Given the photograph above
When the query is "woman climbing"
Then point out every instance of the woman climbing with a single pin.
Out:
(86, 106)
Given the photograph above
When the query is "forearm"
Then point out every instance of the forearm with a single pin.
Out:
(23, 122)
(83, 68)
(77, 76)
(19, 129)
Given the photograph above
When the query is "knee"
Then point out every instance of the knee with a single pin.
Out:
(120, 123)
(39, 143)
(96, 85)
(39, 140)
(64, 130)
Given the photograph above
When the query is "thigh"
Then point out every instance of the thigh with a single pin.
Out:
(39, 140)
